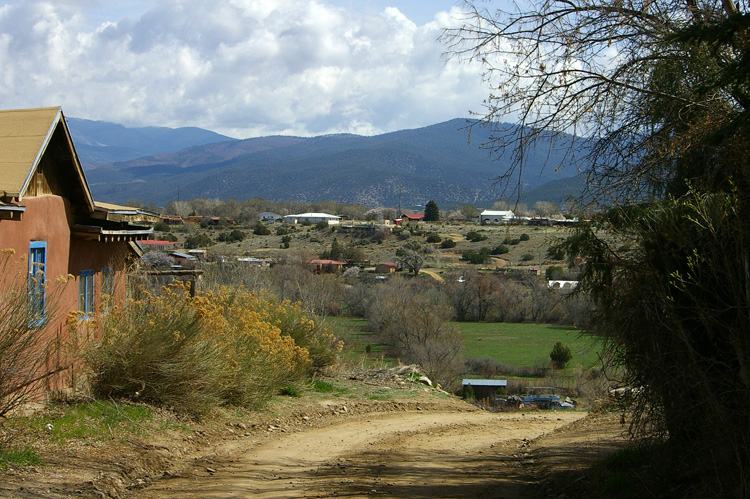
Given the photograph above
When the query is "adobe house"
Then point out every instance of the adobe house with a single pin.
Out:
(385, 268)
(326, 266)
(53, 225)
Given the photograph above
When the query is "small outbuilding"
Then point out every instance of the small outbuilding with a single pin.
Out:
(485, 388)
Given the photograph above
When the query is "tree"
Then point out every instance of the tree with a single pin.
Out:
(468, 211)
(560, 355)
(412, 255)
(431, 212)
(657, 95)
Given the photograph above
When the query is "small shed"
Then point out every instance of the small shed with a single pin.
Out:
(485, 388)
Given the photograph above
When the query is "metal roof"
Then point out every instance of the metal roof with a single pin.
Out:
(485, 382)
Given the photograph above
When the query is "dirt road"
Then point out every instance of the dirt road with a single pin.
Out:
(412, 454)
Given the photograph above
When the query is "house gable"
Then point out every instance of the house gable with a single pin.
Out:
(38, 158)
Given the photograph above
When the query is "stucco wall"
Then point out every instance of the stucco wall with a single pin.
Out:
(49, 218)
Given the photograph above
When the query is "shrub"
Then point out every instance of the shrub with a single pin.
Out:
(322, 225)
(448, 243)
(524, 237)
(262, 229)
(475, 236)
(527, 257)
(476, 257)
(198, 241)
(294, 321)
(191, 353)
(500, 249)
(433, 237)
(556, 253)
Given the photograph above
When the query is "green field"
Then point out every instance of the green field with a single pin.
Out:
(525, 344)
(514, 344)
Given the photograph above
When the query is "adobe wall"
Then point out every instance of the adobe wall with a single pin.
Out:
(49, 218)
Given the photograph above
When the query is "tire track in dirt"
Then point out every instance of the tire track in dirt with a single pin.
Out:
(400, 454)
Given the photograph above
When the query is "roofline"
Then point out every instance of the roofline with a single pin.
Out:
(59, 120)
(40, 153)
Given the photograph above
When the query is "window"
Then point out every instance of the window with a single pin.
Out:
(108, 288)
(37, 282)
(86, 293)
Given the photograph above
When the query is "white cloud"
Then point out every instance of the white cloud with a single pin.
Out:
(241, 67)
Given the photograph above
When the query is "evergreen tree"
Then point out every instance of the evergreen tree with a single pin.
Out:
(431, 212)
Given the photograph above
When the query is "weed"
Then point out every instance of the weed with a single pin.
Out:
(19, 457)
(96, 420)
(290, 391)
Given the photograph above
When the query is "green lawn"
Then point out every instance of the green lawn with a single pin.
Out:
(509, 343)
(525, 344)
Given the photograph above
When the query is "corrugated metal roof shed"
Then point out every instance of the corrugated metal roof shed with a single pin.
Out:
(485, 382)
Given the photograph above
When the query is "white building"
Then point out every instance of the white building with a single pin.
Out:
(496, 217)
(313, 218)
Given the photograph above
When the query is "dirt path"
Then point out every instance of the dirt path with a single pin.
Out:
(409, 454)
(432, 274)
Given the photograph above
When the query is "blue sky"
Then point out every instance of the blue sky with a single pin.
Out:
(244, 68)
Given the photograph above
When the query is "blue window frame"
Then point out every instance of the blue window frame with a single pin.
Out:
(86, 293)
(37, 281)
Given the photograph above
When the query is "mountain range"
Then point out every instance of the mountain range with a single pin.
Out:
(439, 162)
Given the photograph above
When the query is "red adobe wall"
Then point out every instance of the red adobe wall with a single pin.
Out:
(49, 218)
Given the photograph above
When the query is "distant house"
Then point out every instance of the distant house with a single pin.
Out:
(157, 245)
(269, 217)
(412, 217)
(385, 268)
(52, 224)
(257, 262)
(183, 259)
(496, 217)
(326, 266)
(312, 218)
(172, 220)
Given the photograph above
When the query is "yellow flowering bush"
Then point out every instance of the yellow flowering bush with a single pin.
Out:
(296, 322)
(192, 353)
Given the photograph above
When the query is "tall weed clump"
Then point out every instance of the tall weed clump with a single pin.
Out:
(25, 331)
(190, 353)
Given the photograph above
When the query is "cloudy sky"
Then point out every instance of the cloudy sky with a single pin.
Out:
(244, 68)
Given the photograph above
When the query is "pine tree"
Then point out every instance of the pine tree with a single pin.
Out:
(431, 212)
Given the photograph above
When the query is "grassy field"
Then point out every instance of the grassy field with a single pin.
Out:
(525, 344)
(509, 343)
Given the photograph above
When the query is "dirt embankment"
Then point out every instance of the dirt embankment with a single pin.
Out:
(419, 443)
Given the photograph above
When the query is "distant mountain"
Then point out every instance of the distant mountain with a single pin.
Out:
(104, 142)
(434, 162)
